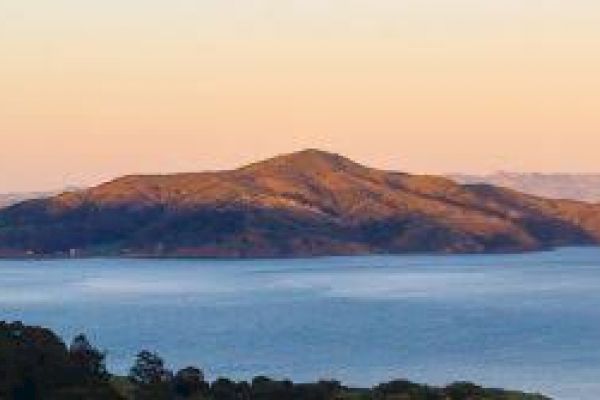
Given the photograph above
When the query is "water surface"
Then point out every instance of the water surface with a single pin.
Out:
(529, 321)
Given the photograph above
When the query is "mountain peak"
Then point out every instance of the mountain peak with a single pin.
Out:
(306, 159)
(310, 202)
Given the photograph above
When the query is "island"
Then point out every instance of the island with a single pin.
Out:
(308, 203)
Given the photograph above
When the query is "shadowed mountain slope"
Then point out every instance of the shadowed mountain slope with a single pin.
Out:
(8, 199)
(301, 204)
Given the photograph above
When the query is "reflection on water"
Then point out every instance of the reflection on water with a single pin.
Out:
(529, 321)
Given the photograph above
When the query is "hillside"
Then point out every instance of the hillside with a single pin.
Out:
(302, 204)
(8, 199)
(584, 187)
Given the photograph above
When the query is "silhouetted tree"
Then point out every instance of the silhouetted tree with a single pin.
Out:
(464, 390)
(36, 365)
(87, 358)
(266, 389)
(225, 389)
(149, 369)
(151, 378)
(189, 381)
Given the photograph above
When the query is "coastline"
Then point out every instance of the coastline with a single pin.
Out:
(150, 256)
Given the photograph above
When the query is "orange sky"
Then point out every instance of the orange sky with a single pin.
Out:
(90, 90)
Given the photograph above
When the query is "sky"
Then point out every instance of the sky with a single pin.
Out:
(90, 90)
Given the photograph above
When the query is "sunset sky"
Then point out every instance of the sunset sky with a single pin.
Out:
(91, 89)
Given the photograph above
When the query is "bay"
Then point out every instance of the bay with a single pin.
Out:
(525, 321)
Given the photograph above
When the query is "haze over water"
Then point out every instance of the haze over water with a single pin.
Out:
(529, 321)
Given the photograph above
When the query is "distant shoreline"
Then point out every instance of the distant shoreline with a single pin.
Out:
(292, 257)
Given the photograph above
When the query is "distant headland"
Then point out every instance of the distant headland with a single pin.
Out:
(308, 203)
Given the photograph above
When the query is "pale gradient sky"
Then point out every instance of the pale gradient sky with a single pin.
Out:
(91, 89)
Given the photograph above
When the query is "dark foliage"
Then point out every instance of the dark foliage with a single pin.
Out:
(88, 359)
(36, 365)
(149, 369)
(152, 380)
(190, 382)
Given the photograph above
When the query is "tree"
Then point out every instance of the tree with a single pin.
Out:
(189, 381)
(35, 364)
(151, 379)
(149, 369)
(225, 389)
(87, 358)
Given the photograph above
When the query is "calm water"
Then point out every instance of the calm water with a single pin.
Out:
(527, 321)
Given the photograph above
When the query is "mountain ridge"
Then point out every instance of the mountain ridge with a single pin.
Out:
(584, 187)
(306, 203)
(8, 199)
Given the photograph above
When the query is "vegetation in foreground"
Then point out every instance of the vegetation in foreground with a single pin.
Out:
(36, 364)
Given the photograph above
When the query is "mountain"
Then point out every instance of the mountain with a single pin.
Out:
(8, 199)
(301, 204)
(584, 187)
